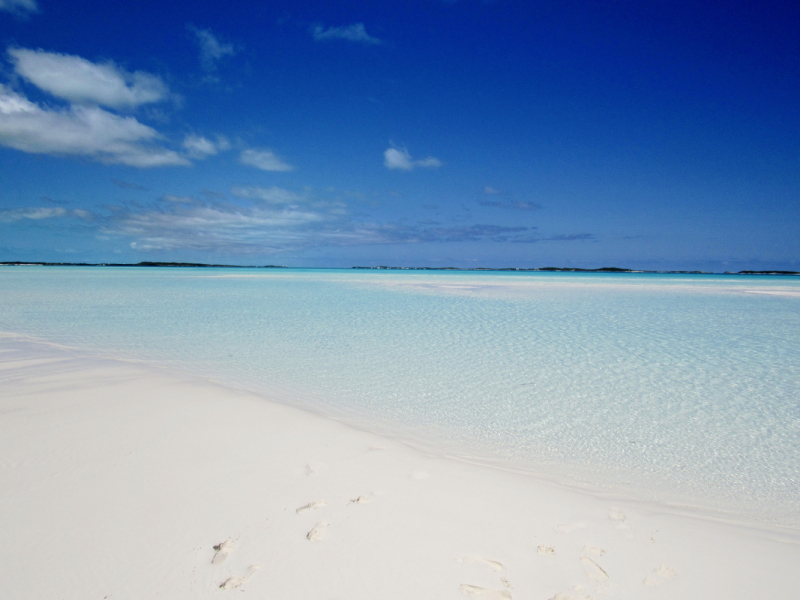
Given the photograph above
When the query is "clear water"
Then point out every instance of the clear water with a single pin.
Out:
(673, 388)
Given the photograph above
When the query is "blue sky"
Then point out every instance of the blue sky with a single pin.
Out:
(660, 135)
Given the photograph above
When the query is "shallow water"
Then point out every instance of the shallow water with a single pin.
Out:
(673, 388)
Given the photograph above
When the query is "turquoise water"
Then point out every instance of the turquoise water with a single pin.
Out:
(672, 388)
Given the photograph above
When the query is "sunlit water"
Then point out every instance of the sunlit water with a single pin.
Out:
(672, 388)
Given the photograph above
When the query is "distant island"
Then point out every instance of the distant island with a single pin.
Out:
(18, 263)
(576, 270)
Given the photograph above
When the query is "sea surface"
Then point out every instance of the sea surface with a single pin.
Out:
(681, 389)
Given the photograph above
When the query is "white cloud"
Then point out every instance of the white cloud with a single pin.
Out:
(271, 195)
(490, 190)
(79, 80)
(19, 7)
(80, 130)
(400, 159)
(430, 163)
(199, 147)
(211, 50)
(352, 33)
(222, 228)
(18, 214)
(264, 159)
(397, 159)
(179, 199)
(228, 228)
(37, 214)
(270, 223)
(262, 221)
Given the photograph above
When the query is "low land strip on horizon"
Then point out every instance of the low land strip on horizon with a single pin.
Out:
(17, 263)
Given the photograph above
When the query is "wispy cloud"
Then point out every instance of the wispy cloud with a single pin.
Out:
(400, 159)
(81, 81)
(270, 195)
(273, 222)
(38, 214)
(513, 204)
(570, 237)
(127, 185)
(497, 202)
(211, 49)
(264, 159)
(222, 227)
(178, 199)
(352, 33)
(471, 233)
(261, 221)
(80, 130)
(199, 147)
(20, 8)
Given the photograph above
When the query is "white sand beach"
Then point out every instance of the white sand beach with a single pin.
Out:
(123, 481)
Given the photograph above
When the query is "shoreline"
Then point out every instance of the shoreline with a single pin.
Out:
(579, 479)
(120, 479)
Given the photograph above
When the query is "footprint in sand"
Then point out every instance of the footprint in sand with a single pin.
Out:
(473, 591)
(595, 550)
(313, 505)
(616, 514)
(314, 468)
(593, 570)
(569, 527)
(660, 575)
(492, 564)
(223, 550)
(568, 596)
(546, 550)
(231, 583)
(361, 500)
(618, 517)
(318, 532)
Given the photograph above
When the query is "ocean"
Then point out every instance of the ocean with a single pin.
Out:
(676, 389)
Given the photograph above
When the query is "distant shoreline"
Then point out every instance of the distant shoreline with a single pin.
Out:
(386, 268)
(18, 263)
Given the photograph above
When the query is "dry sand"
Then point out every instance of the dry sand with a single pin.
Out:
(119, 480)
